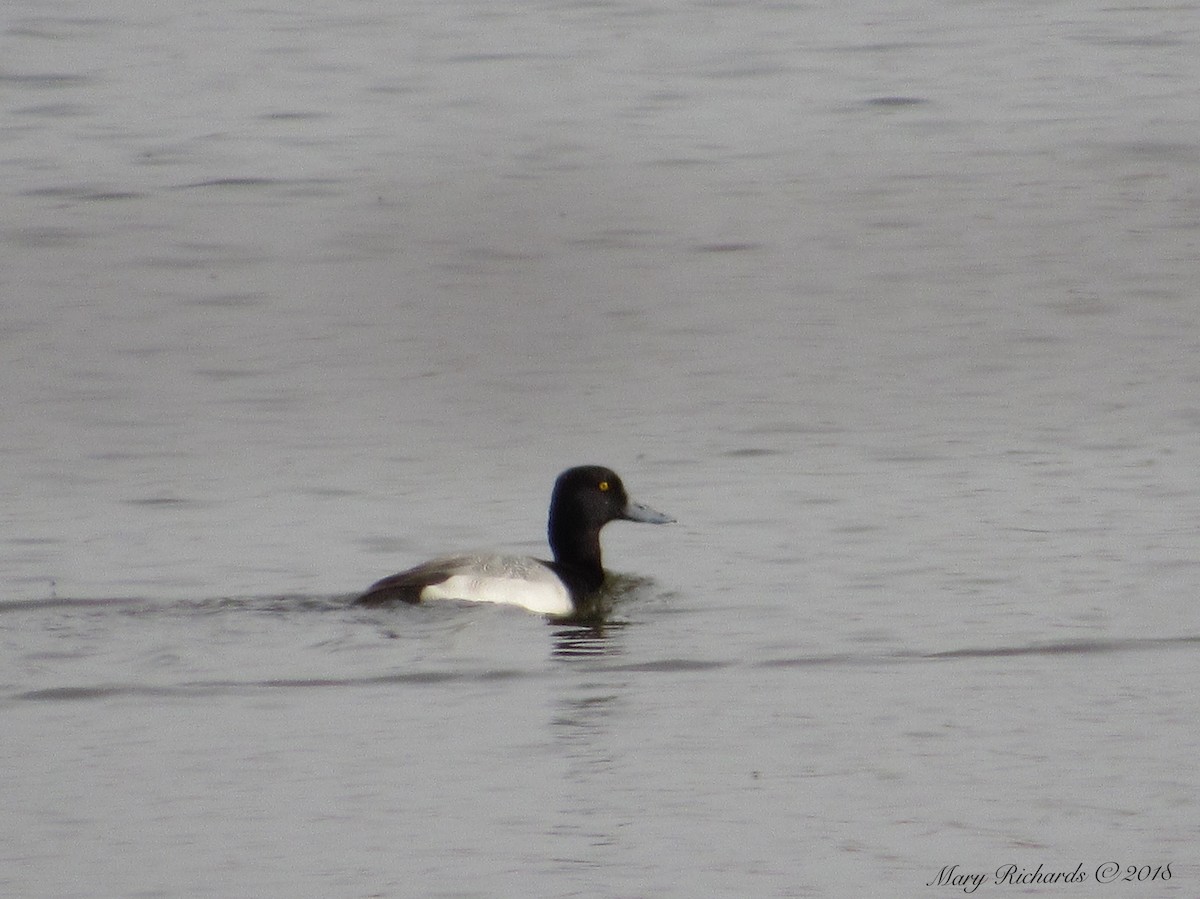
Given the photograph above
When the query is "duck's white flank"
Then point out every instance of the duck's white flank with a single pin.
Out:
(507, 580)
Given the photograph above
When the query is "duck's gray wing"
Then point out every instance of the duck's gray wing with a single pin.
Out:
(407, 585)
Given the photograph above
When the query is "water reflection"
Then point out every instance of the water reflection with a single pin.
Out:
(588, 640)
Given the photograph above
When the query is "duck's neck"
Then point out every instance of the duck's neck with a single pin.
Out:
(577, 550)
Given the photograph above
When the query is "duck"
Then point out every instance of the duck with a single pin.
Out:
(584, 500)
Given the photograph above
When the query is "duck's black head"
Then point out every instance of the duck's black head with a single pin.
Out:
(585, 499)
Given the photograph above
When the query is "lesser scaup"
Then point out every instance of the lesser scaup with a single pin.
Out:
(585, 499)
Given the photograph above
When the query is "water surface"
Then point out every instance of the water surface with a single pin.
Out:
(893, 309)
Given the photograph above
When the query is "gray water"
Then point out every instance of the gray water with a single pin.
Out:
(894, 307)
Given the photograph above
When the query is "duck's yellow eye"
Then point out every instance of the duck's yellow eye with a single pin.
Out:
(603, 485)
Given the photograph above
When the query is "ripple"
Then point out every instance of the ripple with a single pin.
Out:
(55, 191)
(48, 237)
(731, 247)
(1067, 647)
(896, 102)
(159, 501)
(670, 666)
(44, 80)
(1055, 648)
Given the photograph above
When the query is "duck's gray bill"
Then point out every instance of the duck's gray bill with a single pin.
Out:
(646, 515)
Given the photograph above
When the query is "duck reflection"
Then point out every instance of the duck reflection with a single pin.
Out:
(588, 640)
